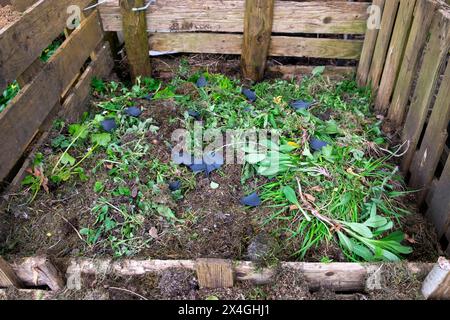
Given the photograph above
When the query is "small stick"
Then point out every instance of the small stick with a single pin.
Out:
(129, 291)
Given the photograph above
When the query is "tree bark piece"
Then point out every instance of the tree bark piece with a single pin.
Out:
(214, 273)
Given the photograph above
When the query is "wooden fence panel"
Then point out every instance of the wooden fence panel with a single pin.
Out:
(370, 41)
(232, 44)
(383, 40)
(419, 31)
(17, 127)
(427, 158)
(23, 41)
(434, 57)
(395, 54)
(330, 17)
(439, 206)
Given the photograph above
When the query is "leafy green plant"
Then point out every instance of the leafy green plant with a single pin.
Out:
(11, 91)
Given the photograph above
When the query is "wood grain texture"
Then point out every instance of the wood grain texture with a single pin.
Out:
(395, 54)
(8, 277)
(382, 45)
(427, 158)
(256, 40)
(331, 17)
(279, 46)
(135, 35)
(370, 41)
(439, 207)
(17, 127)
(343, 277)
(434, 57)
(423, 17)
(40, 270)
(22, 42)
(214, 273)
(78, 98)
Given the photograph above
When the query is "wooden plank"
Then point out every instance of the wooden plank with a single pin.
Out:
(257, 32)
(439, 207)
(289, 72)
(423, 17)
(370, 40)
(77, 100)
(395, 54)
(28, 75)
(22, 42)
(341, 277)
(330, 17)
(17, 127)
(40, 270)
(427, 158)
(232, 44)
(8, 277)
(437, 284)
(136, 42)
(214, 273)
(434, 57)
(22, 5)
(383, 40)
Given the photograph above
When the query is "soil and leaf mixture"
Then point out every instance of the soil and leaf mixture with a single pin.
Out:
(110, 186)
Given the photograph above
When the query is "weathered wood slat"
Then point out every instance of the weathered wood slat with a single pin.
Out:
(434, 57)
(22, 42)
(423, 17)
(335, 276)
(439, 207)
(8, 277)
(17, 127)
(370, 41)
(257, 33)
(295, 71)
(77, 100)
(214, 273)
(232, 44)
(135, 35)
(333, 17)
(22, 5)
(427, 158)
(395, 54)
(382, 45)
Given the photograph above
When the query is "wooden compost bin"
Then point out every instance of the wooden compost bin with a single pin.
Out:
(403, 62)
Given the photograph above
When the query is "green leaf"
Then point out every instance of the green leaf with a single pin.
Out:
(360, 229)
(254, 158)
(384, 228)
(375, 221)
(78, 130)
(290, 195)
(318, 71)
(362, 251)
(98, 187)
(67, 159)
(345, 241)
(397, 236)
(102, 139)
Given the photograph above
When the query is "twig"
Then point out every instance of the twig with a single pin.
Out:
(396, 154)
(73, 227)
(129, 291)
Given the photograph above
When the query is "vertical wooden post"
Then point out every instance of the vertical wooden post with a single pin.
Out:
(214, 273)
(257, 32)
(136, 38)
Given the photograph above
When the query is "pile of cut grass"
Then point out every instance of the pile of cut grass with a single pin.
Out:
(347, 192)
